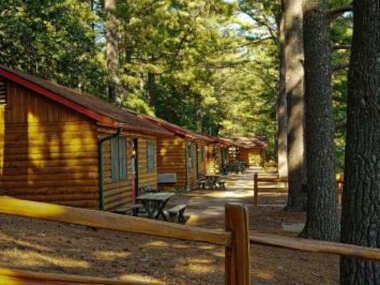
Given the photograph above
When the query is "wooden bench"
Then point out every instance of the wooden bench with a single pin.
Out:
(178, 211)
(221, 183)
(202, 183)
(126, 210)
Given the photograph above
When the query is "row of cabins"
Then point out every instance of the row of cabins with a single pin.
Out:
(58, 145)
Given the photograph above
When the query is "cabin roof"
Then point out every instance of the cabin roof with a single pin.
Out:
(227, 142)
(249, 142)
(104, 113)
(180, 131)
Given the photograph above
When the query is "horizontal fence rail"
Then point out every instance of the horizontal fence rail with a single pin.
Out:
(315, 246)
(110, 221)
(235, 238)
(273, 178)
(22, 277)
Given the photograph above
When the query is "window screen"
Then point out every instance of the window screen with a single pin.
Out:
(118, 159)
(150, 156)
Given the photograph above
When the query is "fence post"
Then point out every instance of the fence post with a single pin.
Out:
(237, 265)
(255, 189)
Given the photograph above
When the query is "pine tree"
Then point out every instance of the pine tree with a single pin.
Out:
(361, 195)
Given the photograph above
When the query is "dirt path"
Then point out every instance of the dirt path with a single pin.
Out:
(52, 247)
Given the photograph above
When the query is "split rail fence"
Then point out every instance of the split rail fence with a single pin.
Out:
(235, 238)
(271, 183)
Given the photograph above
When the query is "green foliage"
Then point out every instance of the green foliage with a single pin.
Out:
(53, 39)
(341, 35)
(208, 65)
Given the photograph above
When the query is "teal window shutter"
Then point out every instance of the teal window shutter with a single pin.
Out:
(118, 159)
(150, 156)
(122, 158)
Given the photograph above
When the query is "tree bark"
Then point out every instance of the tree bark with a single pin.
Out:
(361, 195)
(295, 103)
(281, 108)
(112, 51)
(321, 216)
(152, 91)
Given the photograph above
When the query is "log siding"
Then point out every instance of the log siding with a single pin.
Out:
(47, 152)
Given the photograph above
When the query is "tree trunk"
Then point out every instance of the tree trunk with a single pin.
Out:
(295, 103)
(152, 92)
(281, 112)
(321, 219)
(361, 195)
(112, 51)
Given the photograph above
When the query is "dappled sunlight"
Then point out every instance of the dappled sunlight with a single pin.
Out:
(264, 275)
(219, 253)
(141, 278)
(29, 245)
(32, 259)
(181, 246)
(110, 255)
(197, 265)
(40, 210)
(230, 194)
(157, 243)
(36, 138)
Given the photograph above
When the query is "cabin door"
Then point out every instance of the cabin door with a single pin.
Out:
(135, 169)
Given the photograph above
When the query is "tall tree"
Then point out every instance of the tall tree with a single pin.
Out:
(53, 40)
(112, 51)
(281, 112)
(294, 88)
(361, 195)
(322, 219)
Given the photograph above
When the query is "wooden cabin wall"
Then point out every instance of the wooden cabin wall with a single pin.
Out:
(252, 156)
(118, 193)
(47, 152)
(171, 158)
(145, 177)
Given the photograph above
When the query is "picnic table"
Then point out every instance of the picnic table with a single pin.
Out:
(154, 203)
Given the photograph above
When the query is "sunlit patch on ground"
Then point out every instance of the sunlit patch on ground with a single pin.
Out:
(110, 255)
(52, 247)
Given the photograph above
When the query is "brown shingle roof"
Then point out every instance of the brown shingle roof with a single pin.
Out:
(252, 142)
(180, 131)
(92, 106)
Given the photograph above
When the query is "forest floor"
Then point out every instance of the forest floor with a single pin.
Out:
(52, 247)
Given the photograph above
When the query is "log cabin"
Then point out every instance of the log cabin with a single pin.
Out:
(183, 158)
(61, 146)
(251, 151)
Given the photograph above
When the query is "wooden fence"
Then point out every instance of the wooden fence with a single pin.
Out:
(234, 238)
(316, 246)
(276, 184)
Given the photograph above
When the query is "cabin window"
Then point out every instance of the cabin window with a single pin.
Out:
(150, 156)
(118, 159)
(3, 92)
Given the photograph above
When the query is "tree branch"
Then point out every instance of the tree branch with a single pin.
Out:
(340, 66)
(335, 13)
(341, 46)
(340, 125)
